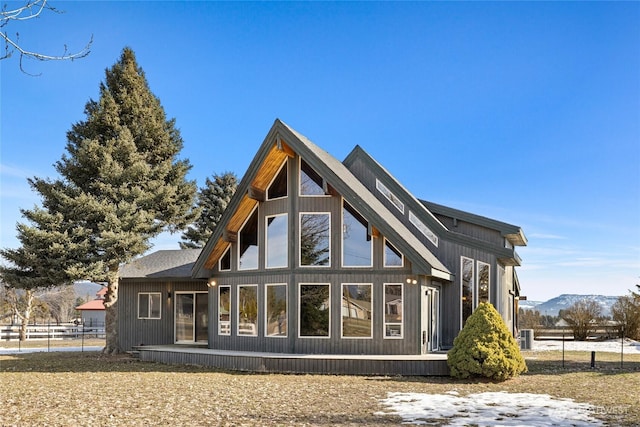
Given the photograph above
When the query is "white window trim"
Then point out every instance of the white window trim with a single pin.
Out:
(255, 334)
(384, 255)
(300, 181)
(219, 322)
(342, 240)
(341, 316)
(266, 240)
(384, 323)
(266, 314)
(223, 255)
(238, 243)
(159, 294)
(300, 236)
(283, 165)
(388, 194)
(422, 228)
(328, 336)
(477, 289)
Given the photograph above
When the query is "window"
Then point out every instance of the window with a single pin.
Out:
(467, 281)
(224, 310)
(356, 243)
(315, 309)
(225, 260)
(483, 282)
(423, 228)
(278, 187)
(311, 184)
(315, 239)
(248, 310)
(393, 309)
(277, 240)
(389, 195)
(392, 256)
(356, 310)
(248, 243)
(276, 311)
(149, 305)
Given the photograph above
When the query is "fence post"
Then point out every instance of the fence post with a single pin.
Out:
(49, 335)
(82, 335)
(622, 348)
(593, 360)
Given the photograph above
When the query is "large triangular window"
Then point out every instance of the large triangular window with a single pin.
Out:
(278, 187)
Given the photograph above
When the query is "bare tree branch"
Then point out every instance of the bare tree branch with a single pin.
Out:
(32, 9)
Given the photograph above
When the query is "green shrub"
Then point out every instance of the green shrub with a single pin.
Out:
(485, 348)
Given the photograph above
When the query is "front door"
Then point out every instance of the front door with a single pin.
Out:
(430, 315)
(191, 317)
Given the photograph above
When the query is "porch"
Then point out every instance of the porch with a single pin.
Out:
(432, 364)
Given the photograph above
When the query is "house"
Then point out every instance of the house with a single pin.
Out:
(92, 312)
(314, 256)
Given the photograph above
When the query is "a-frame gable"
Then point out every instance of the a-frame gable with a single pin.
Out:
(283, 141)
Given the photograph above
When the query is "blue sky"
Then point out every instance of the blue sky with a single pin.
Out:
(528, 113)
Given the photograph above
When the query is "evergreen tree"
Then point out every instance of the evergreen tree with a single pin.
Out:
(485, 348)
(213, 199)
(121, 183)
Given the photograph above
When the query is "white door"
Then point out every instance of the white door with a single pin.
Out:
(430, 315)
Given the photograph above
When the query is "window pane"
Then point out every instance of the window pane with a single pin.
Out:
(143, 305)
(356, 242)
(393, 311)
(392, 256)
(483, 282)
(277, 241)
(248, 244)
(356, 311)
(278, 187)
(314, 310)
(225, 261)
(310, 181)
(466, 268)
(248, 310)
(201, 323)
(224, 310)
(184, 317)
(154, 306)
(277, 319)
(315, 239)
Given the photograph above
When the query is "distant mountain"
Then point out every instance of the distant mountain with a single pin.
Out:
(527, 305)
(86, 290)
(564, 301)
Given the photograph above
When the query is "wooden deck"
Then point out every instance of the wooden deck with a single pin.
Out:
(432, 364)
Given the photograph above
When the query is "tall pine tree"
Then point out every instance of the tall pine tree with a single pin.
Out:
(121, 183)
(213, 199)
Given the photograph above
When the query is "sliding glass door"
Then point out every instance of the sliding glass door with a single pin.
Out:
(191, 317)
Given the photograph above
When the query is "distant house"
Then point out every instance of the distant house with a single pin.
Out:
(92, 312)
(316, 256)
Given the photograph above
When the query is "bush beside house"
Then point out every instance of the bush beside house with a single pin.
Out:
(485, 348)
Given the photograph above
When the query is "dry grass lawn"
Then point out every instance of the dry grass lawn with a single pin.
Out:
(88, 389)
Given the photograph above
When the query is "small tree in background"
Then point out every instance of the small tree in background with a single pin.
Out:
(213, 199)
(582, 318)
(626, 311)
(485, 348)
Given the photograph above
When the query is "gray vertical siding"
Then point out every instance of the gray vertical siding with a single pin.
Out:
(135, 332)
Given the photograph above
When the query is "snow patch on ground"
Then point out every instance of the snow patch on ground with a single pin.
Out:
(610, 346)
(489, 409)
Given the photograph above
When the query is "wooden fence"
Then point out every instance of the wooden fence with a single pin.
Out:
(52, 332)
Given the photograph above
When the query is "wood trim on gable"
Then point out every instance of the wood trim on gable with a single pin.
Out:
(269, 168)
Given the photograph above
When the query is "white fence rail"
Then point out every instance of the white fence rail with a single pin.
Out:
(52, 332)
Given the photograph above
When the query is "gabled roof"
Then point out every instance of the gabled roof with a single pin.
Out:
(426, 210)
(281, 138)
(96, 304)
(164, 263)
